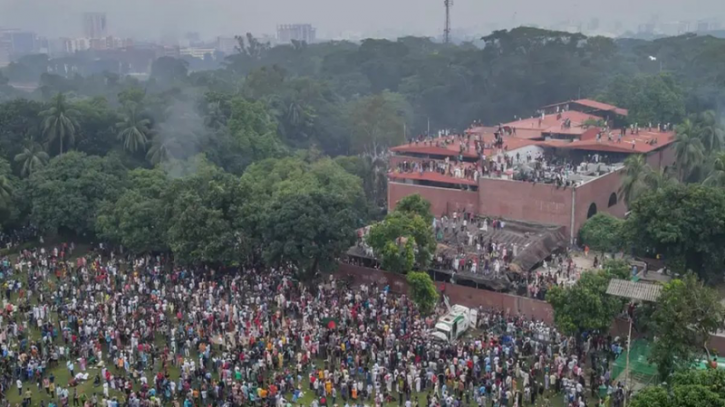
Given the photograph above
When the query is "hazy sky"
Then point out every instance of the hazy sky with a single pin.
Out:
(152, 18)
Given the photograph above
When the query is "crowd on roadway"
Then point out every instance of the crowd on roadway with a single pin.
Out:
(140, 331)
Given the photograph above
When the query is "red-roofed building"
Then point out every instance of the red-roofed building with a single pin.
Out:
(587, 106)
(549, 169)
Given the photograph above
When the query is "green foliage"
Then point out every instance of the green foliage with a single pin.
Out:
(684, 224)
(60, 122)
(691, 388)
(651, 99)
(422, 291)
(67, 192)
(586, 306)
(204, 217)
(309, 230)
(139, 218)
(602, 232)
(685, 315)
(397, 236)
(417, 205)
(378, 122)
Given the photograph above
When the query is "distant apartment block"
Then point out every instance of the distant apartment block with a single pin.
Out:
(197, 52)
(296, 32)
(227, 45)
(94, 25)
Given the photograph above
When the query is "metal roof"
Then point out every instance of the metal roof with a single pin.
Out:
(634, 291)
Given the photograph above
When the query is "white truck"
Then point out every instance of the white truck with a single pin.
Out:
(455, 323)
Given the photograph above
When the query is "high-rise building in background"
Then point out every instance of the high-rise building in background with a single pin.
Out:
(94, 25)
(295, 32)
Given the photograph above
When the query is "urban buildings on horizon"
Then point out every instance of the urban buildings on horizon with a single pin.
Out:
(96, 36)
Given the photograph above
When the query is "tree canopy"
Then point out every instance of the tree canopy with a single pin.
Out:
(683, 224)
(586, 306)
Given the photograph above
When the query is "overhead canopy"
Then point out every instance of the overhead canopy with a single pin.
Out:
(634, 291)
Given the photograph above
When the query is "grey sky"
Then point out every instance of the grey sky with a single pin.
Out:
(152, 18)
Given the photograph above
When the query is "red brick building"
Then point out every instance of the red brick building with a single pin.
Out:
(557, 168)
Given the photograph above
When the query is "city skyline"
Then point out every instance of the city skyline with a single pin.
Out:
(144, 19)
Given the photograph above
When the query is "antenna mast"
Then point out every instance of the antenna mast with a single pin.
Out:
(447, 29)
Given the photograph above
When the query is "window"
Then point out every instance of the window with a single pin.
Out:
(592, 210)
(612, 199)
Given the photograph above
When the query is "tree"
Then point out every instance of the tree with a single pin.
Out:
(651, 99)
(169, 70)
(139, 218)
(378, 121)
(690, 388)
(639, 178)
(422, 291)
(415, 204)
(602, 232)
(66, 193)
(162, 150)
(134, 130)
(32, 158)
(685, 315)
(684, 224)
(586, 306)
(689, 150)
(204, 204)
(272, 180)
(299, 230)
(399, 234)
(710, 131)
(716, 176)
(60, 121)
(635, 170)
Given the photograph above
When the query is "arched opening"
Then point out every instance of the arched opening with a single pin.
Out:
(612, 199)
(592, 210)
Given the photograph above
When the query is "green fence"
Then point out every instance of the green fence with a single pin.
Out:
(640, 368)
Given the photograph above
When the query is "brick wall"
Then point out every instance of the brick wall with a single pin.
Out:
(442, 200)
(527, 201)
(457, 294)
(598, 192)
(662, 158)
(473, 297)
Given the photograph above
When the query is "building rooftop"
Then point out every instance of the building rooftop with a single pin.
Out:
(449, 146)
(643, 142)
(634, 291)
(593, 104)
(555, 123)
(431, 176)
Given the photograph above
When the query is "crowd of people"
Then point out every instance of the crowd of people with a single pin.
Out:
(474, 249)
(140, 331)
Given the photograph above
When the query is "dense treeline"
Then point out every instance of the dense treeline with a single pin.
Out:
(230, 163)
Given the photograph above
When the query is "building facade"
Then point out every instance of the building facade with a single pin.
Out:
(94, 25)
(551, 169)
(296, 32)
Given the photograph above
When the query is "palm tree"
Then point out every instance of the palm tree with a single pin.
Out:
(33, 157)
(710, 131)
(655, 180)
(60, 121)
(162, 150)
(6, 191)
(716, 177)
(134, 129)
(635, 170)
(689, 150)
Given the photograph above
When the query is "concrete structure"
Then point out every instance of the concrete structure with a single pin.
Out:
(94, 25)
(197, 52)
(577, 167)
(296, 32)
